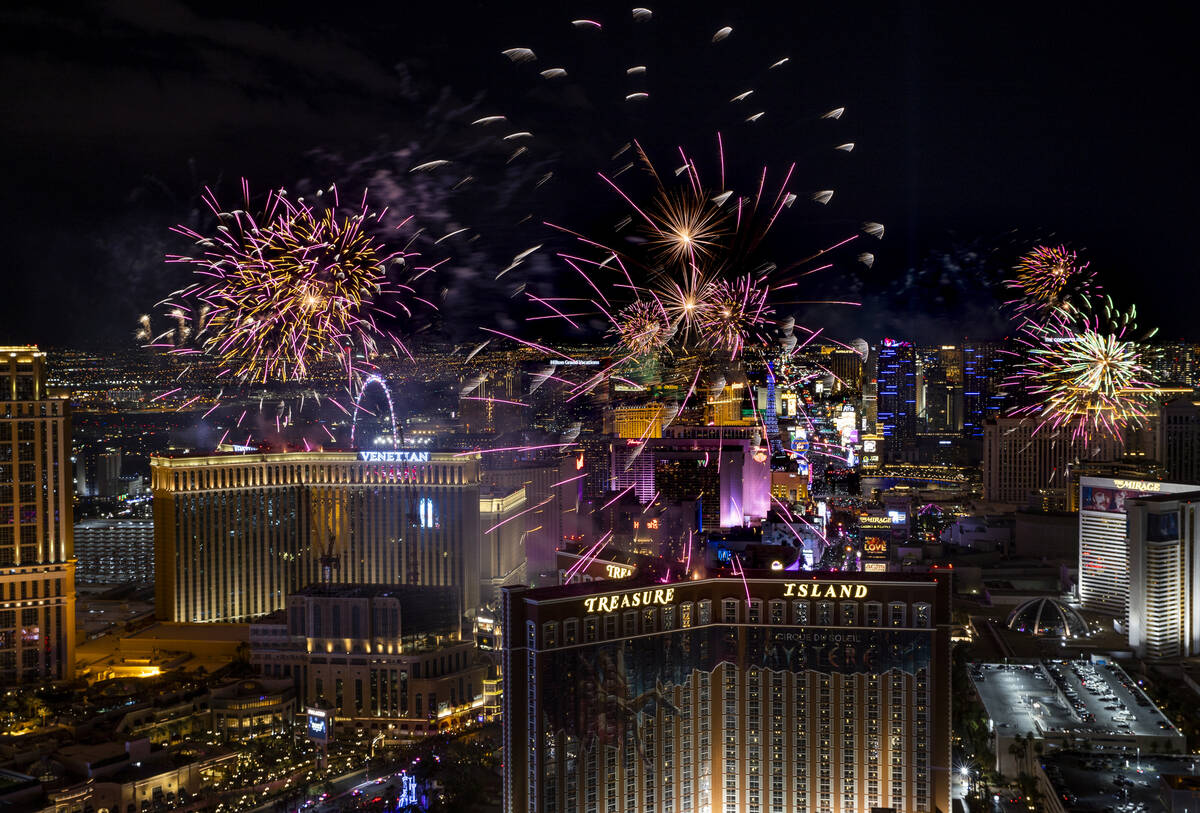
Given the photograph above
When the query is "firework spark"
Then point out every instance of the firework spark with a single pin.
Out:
(734, 312)
(641, 328)
(1047, 277)
(1081, 378)
(297, 284)
(679, 279)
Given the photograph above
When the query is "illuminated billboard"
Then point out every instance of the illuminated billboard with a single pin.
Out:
(318, 725)
(1106, 495)
(876, 547)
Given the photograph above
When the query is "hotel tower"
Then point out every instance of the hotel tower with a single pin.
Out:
(235, 534)
(37, 566)
(762, 695)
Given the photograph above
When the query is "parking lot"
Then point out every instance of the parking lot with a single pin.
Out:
(1123, 783)
(1069, 700)
(1020, 698)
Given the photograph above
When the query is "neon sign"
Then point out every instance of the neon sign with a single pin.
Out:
(1137, 485)
(818, 590)
(402, 456)
(642, 598)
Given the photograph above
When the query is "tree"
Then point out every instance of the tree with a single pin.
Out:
(1019, 748)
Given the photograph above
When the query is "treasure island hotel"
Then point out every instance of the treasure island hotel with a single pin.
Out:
(824, 694)
(37, 565)
(235, 534)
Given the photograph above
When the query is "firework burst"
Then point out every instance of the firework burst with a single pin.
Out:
(684, 272)
(298, 284)
(641, 328)
(1081, 378)
(735, 312)
(1047, 277)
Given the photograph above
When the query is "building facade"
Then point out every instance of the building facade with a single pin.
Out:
(984, 369)
(37, 567)
(897, 393)
(381, 658)
(114, 551)
(726, 468)
(1104, 539)
(1164, 560)
(1179, 439)
(1024, 466)
(761, 695)
(235, 534)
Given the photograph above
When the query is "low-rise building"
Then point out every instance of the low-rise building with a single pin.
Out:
(387, 659)
(130, 777)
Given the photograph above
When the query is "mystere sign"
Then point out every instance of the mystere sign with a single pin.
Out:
(401, 456)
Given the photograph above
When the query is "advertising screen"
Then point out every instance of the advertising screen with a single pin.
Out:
(875, 547)
(318, 725)
(1108, 500)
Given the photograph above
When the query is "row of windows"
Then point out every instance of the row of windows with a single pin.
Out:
(683, 616)
(295, 474)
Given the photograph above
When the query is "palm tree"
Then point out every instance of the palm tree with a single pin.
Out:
(1019, 748)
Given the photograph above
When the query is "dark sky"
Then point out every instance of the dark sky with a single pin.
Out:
(980, 130)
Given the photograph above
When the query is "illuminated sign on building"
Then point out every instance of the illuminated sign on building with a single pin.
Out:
(426, 514)
(408, 792)
(401, 456)
(875, 567)
(642, 598)
(618, 571)
(318, 725)
(875, 522)
(666, 595)
(1138, 485)
(874, 546)
(818, 590)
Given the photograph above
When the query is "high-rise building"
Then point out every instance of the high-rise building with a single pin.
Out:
(725, 467)
(726, 406)
(844, 364)
(1104, 539)
(1179, 439)
(1164, 557)
(37, 566)
(984, 369)
(1024, 465)
(501, 544)
(897, 394)
(108, 473)
(939, 388)
(639, 422)
(728, 695)
(234, 535)
(541, 525)
(1174, 363)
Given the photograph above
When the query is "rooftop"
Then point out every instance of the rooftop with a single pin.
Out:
(1057, 699)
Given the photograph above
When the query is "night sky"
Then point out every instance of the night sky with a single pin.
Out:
(980, 129)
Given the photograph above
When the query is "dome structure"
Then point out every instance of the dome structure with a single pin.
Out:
(1048, 617)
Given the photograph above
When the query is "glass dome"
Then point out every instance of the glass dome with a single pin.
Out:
(1048, 617)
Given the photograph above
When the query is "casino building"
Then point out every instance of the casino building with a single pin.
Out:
(768, 695)
(1164, 554)
(235, 534)
(1104, 576)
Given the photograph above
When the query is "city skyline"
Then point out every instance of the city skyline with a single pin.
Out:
(512, 408)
